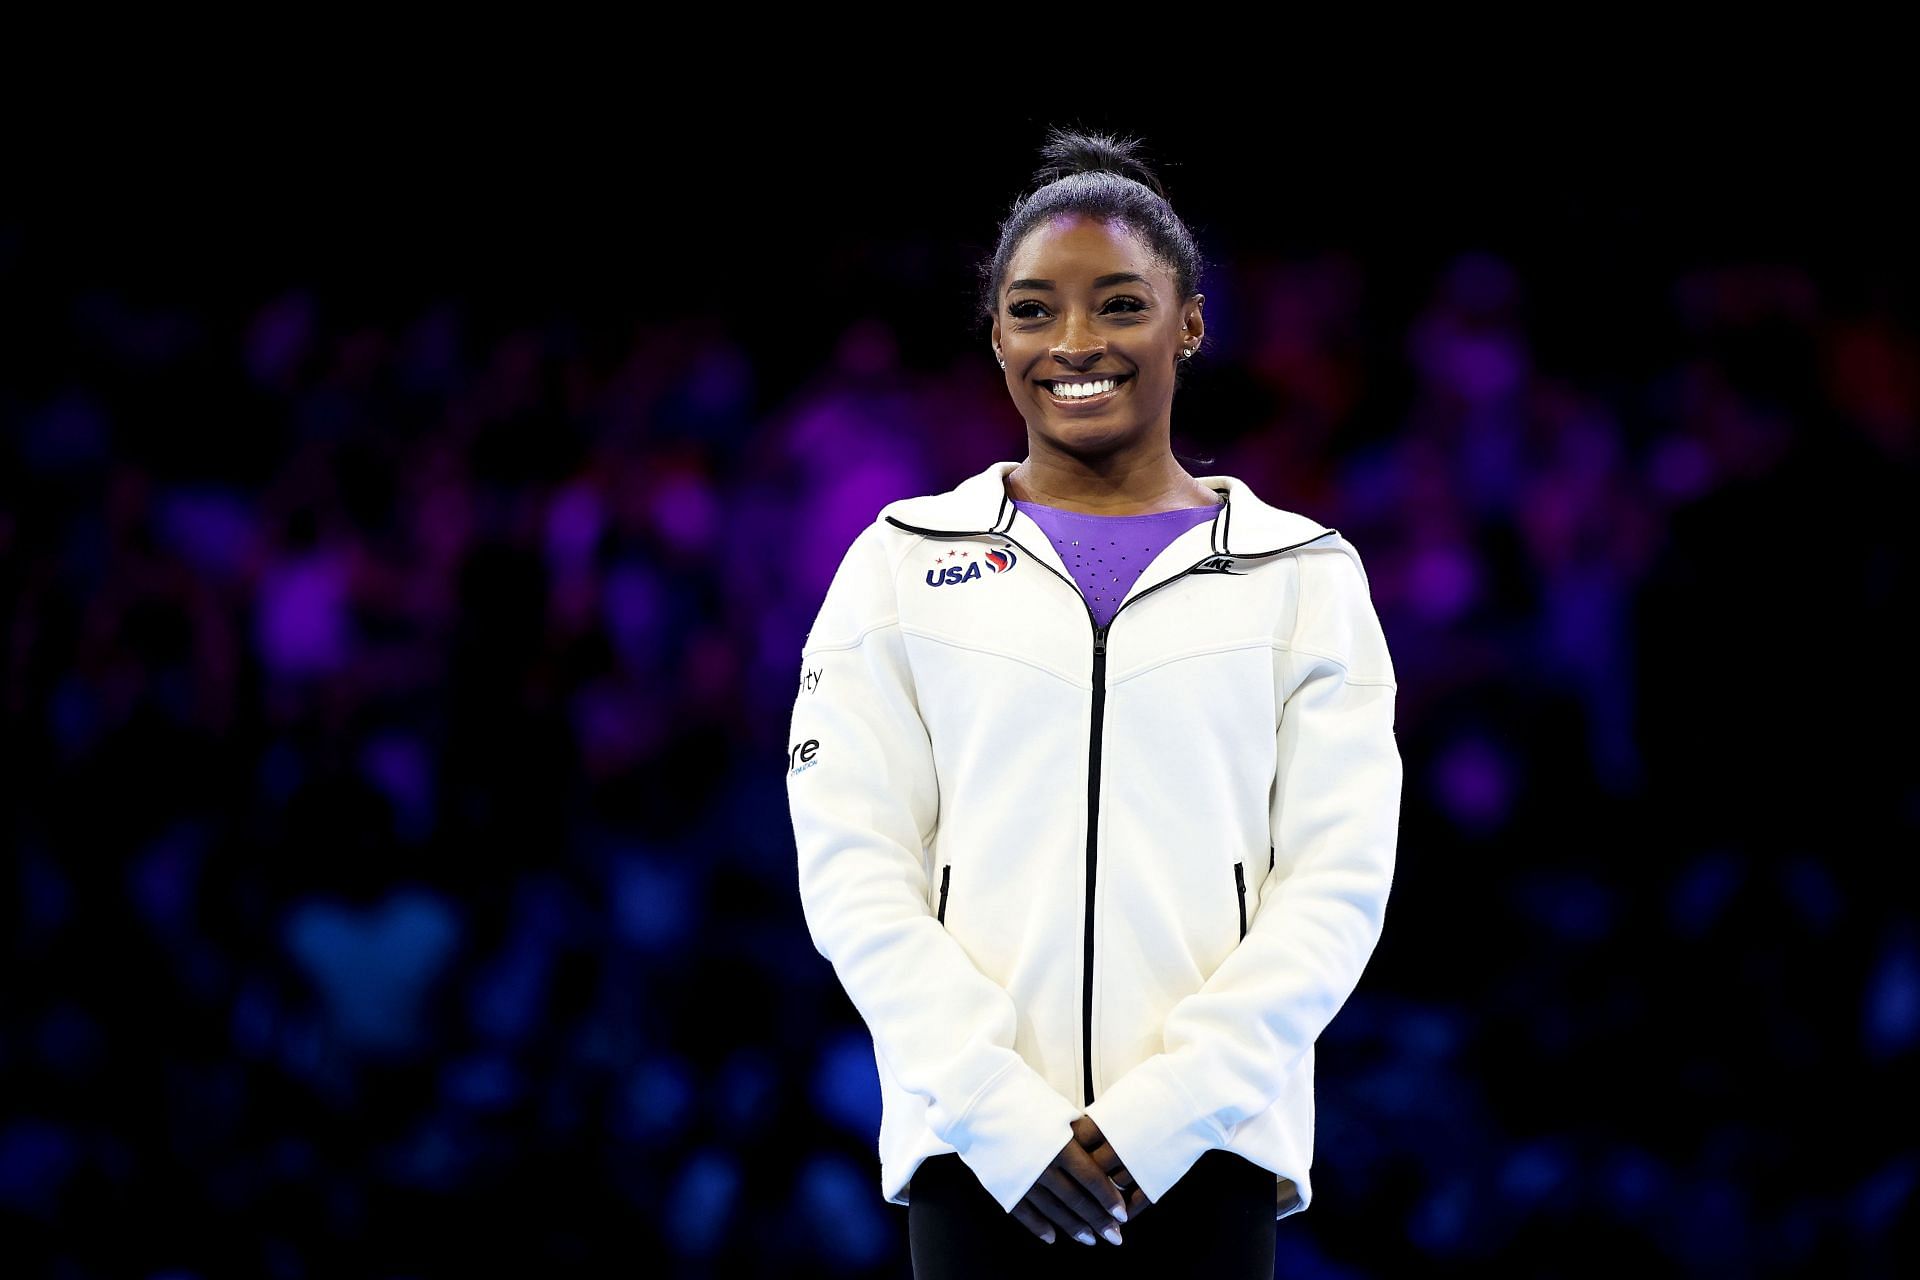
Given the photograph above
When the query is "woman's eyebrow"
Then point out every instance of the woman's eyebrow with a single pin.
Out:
(1101, 282)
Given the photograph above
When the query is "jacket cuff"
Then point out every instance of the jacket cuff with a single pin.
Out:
(1011, 1132)
(1154, 1125)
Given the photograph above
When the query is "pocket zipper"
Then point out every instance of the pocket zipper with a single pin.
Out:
(946, 874)
(1240, 886)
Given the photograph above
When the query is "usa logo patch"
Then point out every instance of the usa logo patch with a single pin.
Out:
(963, 566)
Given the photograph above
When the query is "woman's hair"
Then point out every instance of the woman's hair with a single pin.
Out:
(1101, 176)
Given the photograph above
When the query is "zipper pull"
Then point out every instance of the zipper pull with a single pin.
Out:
(1099, 640)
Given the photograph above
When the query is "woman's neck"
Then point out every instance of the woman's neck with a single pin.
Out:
(1145, 491)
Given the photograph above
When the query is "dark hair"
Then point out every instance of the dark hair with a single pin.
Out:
(1103, 177)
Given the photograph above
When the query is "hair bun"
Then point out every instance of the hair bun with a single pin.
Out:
(1070, 151)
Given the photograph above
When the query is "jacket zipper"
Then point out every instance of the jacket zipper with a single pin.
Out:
(1093, 796)
(1093, 749)
(946, 874)
(1093, 853)
(1240, 886)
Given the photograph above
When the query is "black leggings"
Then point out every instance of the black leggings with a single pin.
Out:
(1217, 1221)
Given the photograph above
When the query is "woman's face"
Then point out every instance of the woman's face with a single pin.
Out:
(1085, 300)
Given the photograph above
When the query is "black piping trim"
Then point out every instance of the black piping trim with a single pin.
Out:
(939, 533)
(1255, 555)
(1216, 545)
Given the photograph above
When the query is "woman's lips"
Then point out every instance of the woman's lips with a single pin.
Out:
(1086, 402)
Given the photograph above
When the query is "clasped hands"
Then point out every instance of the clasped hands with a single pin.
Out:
(1085, 1190)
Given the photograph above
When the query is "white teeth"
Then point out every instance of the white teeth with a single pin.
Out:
(1081, 390)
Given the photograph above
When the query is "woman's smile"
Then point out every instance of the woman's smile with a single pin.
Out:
(1083, 393)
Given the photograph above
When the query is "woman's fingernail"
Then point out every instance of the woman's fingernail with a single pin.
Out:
(1084, 1236)
(1121, 1213)
(1112, 1234)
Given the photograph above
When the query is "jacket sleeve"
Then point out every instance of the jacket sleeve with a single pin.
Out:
(1334, 810)
(864, 799)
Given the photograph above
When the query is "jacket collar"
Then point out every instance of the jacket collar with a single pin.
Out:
(980, 504)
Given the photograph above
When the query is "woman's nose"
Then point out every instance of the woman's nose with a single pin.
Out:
(1078, 344)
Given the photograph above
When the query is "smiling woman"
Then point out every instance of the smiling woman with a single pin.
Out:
(1098, 834)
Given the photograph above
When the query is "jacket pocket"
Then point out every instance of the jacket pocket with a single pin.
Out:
(1240, 888)
(946, 874)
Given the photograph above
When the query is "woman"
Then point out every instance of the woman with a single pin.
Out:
(1094, 788)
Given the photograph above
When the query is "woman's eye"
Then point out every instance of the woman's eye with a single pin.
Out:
(1122, 303)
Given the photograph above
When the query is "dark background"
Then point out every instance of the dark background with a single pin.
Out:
(411, 511)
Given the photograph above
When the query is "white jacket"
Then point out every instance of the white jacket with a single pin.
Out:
(1031, 848)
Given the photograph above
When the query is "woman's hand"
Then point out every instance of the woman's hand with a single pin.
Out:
(1089, 1136)
(1075, 1193)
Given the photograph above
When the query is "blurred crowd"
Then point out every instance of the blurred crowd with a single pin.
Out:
(400, 879)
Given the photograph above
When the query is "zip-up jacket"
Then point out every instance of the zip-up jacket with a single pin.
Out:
(1130, 871)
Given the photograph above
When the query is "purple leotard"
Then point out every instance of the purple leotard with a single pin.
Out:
(1107, 554)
